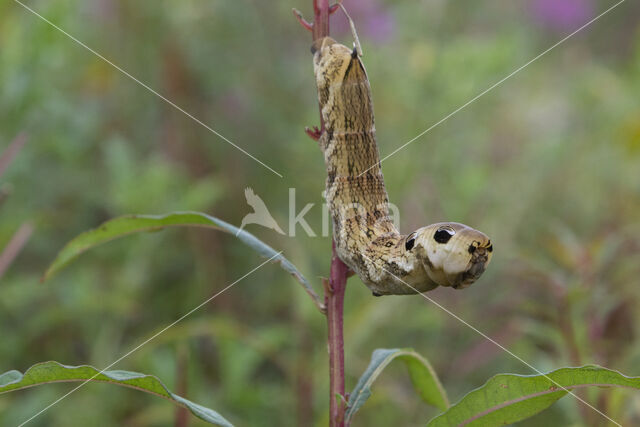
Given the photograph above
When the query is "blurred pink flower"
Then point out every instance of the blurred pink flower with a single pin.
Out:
(373, 21)
(562, 15)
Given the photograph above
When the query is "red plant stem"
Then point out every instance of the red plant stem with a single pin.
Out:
(320, 19)
(334, 301)
(334, 290)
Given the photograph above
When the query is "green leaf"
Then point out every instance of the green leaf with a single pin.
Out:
(129, 224)
(508, 398)
(51, 372)
(423, 377)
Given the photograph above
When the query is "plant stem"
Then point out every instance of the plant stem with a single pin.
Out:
(334, 301)
(333, 289)
(181, 417)
(15, 245)
(320, 19)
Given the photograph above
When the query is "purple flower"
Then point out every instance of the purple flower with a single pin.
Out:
(562, 15)
(372, 20)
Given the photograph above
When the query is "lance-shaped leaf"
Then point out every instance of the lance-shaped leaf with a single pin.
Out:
(423, 377)
(508, 398)
(52, 372)
(129, 224)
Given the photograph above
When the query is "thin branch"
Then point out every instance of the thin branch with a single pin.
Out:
(5, 191)
(334, 300)
(181, 416)
(335, 287)
(12, 151)
(15, 245)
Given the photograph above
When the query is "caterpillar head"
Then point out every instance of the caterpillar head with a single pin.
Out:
(452, 254)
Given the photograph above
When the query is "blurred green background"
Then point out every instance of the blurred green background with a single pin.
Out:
(547, 164)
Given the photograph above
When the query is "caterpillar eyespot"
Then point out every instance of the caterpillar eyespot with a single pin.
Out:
(443, 235)
(410, 242)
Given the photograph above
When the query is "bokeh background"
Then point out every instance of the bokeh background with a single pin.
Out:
(547, 164)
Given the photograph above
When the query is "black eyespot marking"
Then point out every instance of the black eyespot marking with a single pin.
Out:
(472, 248)
(443, 235)
(490, 248)
(411, 241)
(388, 244)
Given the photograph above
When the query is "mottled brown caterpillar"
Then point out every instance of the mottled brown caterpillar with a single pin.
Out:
(445, 254)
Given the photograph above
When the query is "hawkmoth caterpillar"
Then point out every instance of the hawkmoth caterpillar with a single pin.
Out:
(389, 263)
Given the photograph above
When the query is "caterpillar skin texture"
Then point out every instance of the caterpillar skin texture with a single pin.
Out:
(444, 254)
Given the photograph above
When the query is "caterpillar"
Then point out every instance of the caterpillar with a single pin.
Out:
(389, 263)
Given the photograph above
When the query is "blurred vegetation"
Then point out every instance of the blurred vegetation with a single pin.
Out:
(547, 164)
